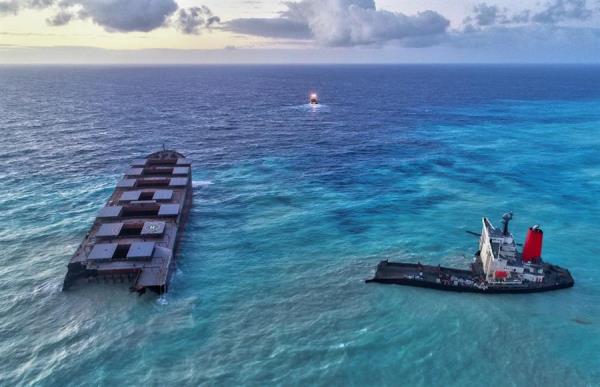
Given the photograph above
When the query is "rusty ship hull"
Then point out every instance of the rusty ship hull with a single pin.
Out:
(135, 236)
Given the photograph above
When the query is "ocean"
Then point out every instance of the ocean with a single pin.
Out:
(294, 206)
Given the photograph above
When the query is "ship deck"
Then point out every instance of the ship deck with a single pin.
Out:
(462, 280)
(135, 236)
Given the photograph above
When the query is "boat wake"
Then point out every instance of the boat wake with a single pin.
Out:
(307, 107)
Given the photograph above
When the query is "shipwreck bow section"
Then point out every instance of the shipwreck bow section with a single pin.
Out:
(135, 236)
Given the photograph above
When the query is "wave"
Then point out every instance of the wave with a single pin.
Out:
(201, 183)
(309, 108)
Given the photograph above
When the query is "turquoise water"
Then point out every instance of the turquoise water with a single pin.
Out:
(293, 208)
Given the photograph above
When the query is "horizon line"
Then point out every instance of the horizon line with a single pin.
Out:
(308, 64)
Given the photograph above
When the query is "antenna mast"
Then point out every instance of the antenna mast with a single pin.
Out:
(505, 219)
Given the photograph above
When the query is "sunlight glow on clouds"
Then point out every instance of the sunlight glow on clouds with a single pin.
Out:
(191, 24)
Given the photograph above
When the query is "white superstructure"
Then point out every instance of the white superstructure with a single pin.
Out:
(500, 259)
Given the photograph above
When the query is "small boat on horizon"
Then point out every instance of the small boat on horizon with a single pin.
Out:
(314, 100)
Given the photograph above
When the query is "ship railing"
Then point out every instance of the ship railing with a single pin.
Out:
(508, 282)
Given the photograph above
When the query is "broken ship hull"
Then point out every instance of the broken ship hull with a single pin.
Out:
(135, 237)
(459, 280)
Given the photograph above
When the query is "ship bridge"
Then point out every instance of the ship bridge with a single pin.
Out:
(498, 252)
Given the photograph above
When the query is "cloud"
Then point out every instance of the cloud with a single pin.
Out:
(38, 3)
(343, 23)
(125, 15)
(282, 28)
(561, 10)
(191, 20)
(553, 12)
(9, 7)
(60, 19)
(120, 15)
(527, 40)
(487, 15)
(555, 28)
(14, 6)
(350, 23)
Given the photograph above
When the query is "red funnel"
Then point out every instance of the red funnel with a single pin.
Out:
(532, 249)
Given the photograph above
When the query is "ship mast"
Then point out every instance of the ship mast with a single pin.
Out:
(506, 218)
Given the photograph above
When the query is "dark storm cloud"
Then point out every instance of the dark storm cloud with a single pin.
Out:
(191, 20)
(342, 23)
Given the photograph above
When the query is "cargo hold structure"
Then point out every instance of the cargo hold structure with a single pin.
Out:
(136, 234)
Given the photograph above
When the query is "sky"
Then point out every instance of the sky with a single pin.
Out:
(299, 31)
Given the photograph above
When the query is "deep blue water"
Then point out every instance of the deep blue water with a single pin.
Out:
(293, 208)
